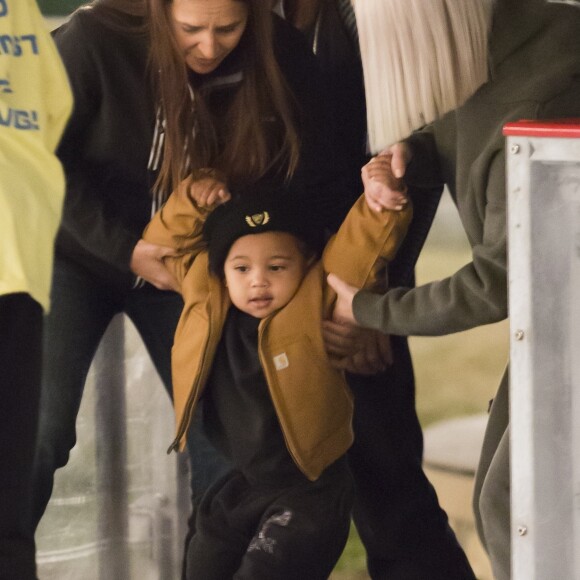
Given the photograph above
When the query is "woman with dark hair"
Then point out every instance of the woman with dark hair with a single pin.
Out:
(219, 101)
(240, 144)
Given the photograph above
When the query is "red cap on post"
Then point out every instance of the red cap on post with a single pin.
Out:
(562, 128)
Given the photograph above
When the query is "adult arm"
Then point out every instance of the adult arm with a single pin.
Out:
(340, 336)
(365, 243)
(475, 295)
(178, 225)
(149, 260)
(88, 216)
(425, 198)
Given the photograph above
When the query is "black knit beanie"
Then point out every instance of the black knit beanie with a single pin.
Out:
(255, 213)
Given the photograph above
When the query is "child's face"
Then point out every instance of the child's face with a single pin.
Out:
(263, 272)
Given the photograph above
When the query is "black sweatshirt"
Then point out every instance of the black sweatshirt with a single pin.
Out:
(107, 145)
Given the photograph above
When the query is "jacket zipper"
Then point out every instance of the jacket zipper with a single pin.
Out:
(189, 405)
(265, 368)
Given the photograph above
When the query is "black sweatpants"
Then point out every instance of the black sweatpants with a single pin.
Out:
(248, 531)
(404, 530)
(20, 362)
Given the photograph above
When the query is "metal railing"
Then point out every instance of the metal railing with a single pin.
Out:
(119, 508)
(543, 164)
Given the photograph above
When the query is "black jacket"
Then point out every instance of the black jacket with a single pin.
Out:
(107, 144)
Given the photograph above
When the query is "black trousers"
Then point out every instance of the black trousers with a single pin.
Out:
(396, 511)
(249, 531)
(20, 361)
(82, 307)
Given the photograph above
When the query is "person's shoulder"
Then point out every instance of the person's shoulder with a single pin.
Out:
(93, 24)
(81, 20)
(88, 37)
(80, 31)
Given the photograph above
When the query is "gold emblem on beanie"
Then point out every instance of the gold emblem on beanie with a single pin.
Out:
(258, 219)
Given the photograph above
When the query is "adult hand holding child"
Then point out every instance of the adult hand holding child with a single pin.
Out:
(383, 191)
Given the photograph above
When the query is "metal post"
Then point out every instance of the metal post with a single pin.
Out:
(111, 453)
(543, 163)
(131, 523)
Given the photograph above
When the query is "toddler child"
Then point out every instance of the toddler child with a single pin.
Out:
(249, 344)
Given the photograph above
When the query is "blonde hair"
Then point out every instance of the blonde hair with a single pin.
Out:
(421, 59)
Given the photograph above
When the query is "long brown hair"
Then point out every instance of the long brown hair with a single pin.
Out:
(191, 140)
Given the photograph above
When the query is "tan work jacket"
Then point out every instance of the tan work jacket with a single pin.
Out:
(312, 400)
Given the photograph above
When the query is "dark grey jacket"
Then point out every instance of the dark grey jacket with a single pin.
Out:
(535, 74)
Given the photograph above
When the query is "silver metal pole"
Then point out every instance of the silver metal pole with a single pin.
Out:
(544, 277)
(111, 454)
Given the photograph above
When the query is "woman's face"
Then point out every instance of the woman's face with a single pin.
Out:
(208, 30)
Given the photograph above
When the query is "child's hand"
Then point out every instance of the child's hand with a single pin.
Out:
(382, 189)
(207, 192)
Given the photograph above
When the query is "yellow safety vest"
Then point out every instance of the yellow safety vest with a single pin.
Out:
(35, 104)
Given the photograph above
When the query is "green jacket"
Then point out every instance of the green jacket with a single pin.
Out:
(312, 400)
(535, 74)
